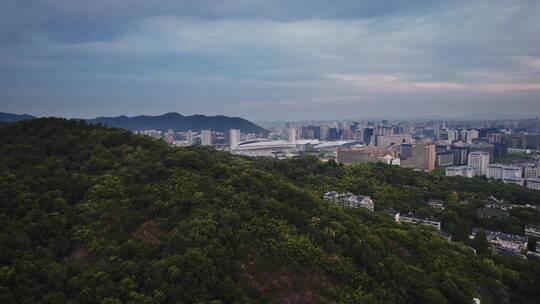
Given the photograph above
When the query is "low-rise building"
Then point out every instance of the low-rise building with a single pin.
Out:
(515, 150)
(514, 180)
(533, 183)
(532, 231)
(504, 243)
(367, 154)
(498, 171)
(412, 218)
(491, 213)
(495, 203)
(349, 200)
(464, 171)
(436, 204)
(531, 170)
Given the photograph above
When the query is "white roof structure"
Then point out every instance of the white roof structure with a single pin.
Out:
(303, 142)
(335, 144)
(264, 147)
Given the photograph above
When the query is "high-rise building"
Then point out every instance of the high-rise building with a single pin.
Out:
(460, 154)
(333, 134)
(368, 134)
(292, 136)
(406, 150)
(444, 158)
(170, 136)
(206, 137)
(347, 134)
(423, 157)
(479, 161)
(452, 135)
(323, 133)
(531, 170)
(233, 138)
(533, 183)
(189, 138)
(470, 135)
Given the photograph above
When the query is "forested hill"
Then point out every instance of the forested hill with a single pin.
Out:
(96, 215)
(179, 122)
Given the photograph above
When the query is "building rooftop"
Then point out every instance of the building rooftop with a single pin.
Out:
(501, 235)
(506, 167)
(418, 217)
(491, 212)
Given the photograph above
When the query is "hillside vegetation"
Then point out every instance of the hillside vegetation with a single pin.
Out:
(96, 215)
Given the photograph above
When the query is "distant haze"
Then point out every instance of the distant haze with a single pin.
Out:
(271, 60)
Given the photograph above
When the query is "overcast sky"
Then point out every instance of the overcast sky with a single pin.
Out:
(271, 60)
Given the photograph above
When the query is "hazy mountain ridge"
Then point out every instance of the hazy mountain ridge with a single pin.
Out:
(174, 121)
(178, 122)
(10, 117)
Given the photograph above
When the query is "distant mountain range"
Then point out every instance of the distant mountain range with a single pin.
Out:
(8, 117)
(164, 122)
(179, 122)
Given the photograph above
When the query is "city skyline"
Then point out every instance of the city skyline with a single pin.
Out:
(272, 60)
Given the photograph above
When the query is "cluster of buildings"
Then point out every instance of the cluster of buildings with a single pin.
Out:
(423, 145)
(349, 200)
(500, 243)
(478, 164)
(494, 208)
(504, 243)
(463, 148)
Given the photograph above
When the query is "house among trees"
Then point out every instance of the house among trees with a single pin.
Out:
(349, 200)
(484, 212)
(412, 218)
(436, 204)
(494, 203)
(532, 231)
(504, 243)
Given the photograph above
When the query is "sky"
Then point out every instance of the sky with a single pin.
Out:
(271, 60)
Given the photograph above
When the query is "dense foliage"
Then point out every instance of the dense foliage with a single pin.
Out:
(97, 215)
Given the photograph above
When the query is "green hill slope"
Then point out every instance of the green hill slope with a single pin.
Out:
(96, 215)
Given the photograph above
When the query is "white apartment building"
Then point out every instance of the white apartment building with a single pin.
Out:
(498, 171)
(533, 183)
(189, 138)
(292, 136)
(206, 137)
(470, 135)
(234, 138)
(479, 161)
(349, 200)
(532, 231)
(531, 170)
(514, 180)
(411, 218)
(464, 171)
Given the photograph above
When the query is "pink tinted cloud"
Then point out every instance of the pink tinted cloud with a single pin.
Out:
(399, 84)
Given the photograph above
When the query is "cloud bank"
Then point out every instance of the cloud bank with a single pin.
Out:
(270, 59)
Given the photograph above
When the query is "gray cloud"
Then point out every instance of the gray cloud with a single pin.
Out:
(255, 58)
